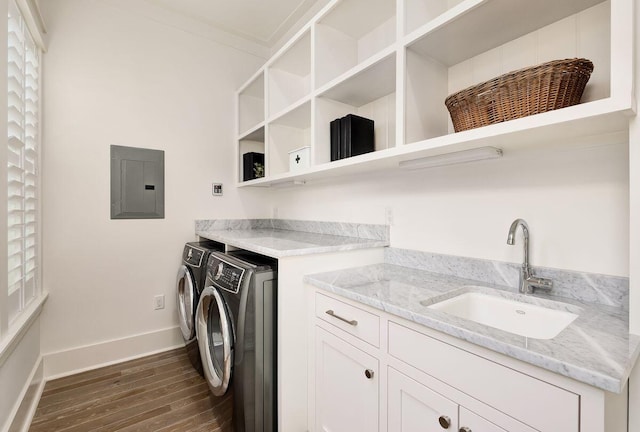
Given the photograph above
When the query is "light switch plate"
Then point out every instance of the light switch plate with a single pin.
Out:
(216, 189)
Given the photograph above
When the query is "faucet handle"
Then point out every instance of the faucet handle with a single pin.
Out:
(540, 283)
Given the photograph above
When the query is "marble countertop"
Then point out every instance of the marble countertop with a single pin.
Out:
(596, 348)
(278, 243)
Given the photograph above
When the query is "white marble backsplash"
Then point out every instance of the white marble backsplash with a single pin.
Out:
(585, 287)
(363, 231)
(224, 224)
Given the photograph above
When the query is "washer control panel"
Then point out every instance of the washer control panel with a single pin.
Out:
(192, 256)
(224, 274)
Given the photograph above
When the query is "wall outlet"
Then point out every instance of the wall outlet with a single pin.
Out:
(158, 302)
(274, 213)
(388, 216)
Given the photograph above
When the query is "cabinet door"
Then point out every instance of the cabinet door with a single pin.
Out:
(416, 408)
(475, 423)
(346, 386)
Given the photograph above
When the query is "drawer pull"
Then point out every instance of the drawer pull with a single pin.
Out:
(350, 322)
(465, 429)
(444, 421)
(368, 373)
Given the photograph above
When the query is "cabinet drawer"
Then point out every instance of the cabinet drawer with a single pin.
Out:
(541, 405)
(353, 320)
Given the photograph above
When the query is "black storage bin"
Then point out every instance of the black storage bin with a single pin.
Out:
(251, 163)
(336, 151)
(351, 135)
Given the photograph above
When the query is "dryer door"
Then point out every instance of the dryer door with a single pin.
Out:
(186, 298)
(215, 339)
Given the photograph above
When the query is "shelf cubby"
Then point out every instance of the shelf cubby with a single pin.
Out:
(348, 60)
(371, 93)
(251, 104)
(419, 12)
(344, 39)
(253, 141)
(288, 132)
(290, 76)
(476, 26)
(431, 74)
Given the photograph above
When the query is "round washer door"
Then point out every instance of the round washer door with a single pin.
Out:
(215, 340)
(186, 298)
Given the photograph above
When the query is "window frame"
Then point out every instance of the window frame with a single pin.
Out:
(11, 331)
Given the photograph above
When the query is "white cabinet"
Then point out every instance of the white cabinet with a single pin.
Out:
(352, 320)
(474, 423)
(373, 371)
(347, 386)
(296, 340)
(547, 407)
(414, 407)
(395, 61)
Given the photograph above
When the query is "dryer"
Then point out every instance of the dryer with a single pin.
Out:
(236, 332)
(189, 285)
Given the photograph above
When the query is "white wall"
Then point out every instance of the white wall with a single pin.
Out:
(112, 76)
(575, 201)
(634, 238)
(634, 193)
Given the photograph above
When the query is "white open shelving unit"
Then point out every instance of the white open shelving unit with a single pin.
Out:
(398, 66)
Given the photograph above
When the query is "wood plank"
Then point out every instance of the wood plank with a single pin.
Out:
(99, 375)
(216, 418)
(101, 407)
(178, 411)
(116, 382)
(157, 393)
(140, 363)
(59, 402)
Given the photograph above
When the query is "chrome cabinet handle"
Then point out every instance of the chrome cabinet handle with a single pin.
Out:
(465, 429)
(444, 421)
(368, 373)
(333, 314)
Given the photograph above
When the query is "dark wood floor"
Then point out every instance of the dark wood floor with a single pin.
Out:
(159, 393)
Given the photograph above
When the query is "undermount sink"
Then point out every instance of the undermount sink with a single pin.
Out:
(512, 316)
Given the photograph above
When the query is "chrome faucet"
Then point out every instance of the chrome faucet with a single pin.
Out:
(528, 282)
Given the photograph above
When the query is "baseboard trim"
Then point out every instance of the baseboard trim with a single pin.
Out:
(80, 359)
(26, 404)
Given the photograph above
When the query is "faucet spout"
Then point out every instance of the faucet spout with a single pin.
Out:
(527, 280)
(511, 238)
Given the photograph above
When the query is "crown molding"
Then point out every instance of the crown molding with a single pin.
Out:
(196, 27)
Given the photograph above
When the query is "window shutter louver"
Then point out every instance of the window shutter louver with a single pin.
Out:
(23, 149)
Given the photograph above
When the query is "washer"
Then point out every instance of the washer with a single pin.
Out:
(189, 285)
(236, 332)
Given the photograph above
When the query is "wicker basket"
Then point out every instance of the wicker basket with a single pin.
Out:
(546, 87)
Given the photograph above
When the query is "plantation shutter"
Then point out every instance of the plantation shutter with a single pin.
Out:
(23, 158)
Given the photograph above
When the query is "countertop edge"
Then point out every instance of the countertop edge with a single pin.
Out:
(275, 253)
